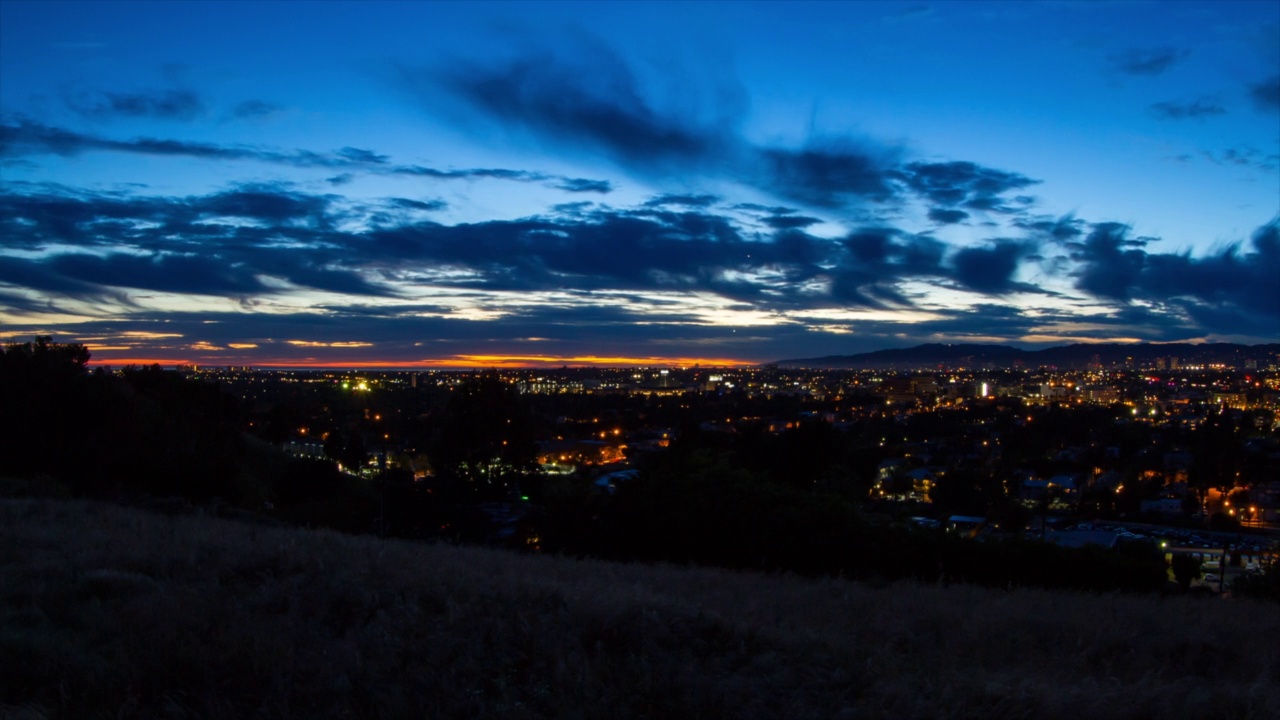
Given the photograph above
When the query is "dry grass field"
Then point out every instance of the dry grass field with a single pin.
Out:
(111, 612)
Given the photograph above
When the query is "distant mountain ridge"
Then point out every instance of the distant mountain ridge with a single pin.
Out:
(1078, 355)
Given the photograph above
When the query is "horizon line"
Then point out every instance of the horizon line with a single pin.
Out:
(460, 363)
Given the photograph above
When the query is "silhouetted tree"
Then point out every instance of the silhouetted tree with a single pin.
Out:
(1185, 569)
(1215, 454)
(347, 448)
(143, 431)
(485, 438)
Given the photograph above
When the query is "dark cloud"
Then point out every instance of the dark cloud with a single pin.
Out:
(1061, 229)
(786, 222)
(1266, 94)
(1229, 284)
(1151, 61)
(263, 203)
(767, 209)
(990, 269)
(576, 185)
(167, 273)
(180, 244)
(963, 184)
(876, 260)
(608, 250)
(294, 237)
(871, 246)
(1111, 262)
(696, 201)
(173, 104)
(360, 156)
(945, 216)
(582, 185)
(604, 109)
(1183, 110)
(56, 216)
(26, 137)
(26, 273)
(831, 176)
(575, 209)
(425, 205)
(1232, 288)
(114, 246)
(606, 112)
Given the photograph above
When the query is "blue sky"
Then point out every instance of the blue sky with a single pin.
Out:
(466, 183)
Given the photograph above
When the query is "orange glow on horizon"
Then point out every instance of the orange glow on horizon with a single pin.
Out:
(456, 362)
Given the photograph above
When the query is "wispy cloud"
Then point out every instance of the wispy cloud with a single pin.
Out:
(23, 137)
(1147, 61)
(1245, 156)
(254, 110)
(609, 112)
(1182, 110)
(171, 104)
(964, 184)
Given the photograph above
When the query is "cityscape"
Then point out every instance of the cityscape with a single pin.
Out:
(1051, 454)
(1133, 455)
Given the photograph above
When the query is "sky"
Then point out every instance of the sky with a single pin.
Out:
(469, 184)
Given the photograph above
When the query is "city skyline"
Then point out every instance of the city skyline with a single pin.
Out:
(461, 185)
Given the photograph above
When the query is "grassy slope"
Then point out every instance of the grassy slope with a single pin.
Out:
(112, 612)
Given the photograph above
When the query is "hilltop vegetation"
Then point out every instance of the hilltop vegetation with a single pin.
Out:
(145, 431)
(115, 612)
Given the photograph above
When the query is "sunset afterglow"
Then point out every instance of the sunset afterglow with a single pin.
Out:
(505, 184)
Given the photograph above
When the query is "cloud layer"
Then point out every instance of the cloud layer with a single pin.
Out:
(687, 273)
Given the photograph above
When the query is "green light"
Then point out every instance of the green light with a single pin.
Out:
(524, 498)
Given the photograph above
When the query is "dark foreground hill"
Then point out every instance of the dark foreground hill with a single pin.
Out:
(114, 612)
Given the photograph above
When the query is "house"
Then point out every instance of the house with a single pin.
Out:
(1067, 484)
(968, 524)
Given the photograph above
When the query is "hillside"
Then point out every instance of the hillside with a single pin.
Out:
(116, 612)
